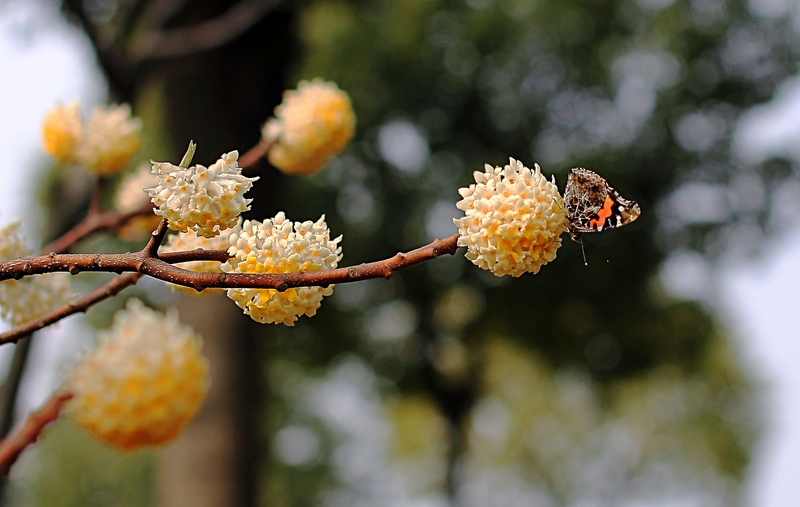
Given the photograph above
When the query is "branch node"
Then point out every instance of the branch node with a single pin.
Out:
(73, 269)
(52, 255)
(351, 273)
(26, 268)
(282, 287)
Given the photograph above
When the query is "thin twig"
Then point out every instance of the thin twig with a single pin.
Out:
(95, 222)
(12, 446)
(151, 249)
(254, 154)
(82, 304)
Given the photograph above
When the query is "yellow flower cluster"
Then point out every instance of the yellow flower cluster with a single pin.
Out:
(513, 221)
(31, 297)
(103, 146)
(143, 383)
(62, 128)
(278, 246)
(312, 125)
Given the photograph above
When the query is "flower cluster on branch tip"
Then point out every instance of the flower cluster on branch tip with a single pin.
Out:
(514, 218)
(205, 200)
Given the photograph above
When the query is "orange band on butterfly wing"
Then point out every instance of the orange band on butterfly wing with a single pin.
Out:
(604, 213)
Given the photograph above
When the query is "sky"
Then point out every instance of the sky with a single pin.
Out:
(43, 61)
(760, 301)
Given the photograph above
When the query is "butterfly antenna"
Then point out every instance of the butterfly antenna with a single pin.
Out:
(583, 251)
(596, 250)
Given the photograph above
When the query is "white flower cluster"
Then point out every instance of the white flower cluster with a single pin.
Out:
(143, 383)
(33, 296)
(279, 246)
(110, 139)
(191, 241)
(514, 219)
(130, 197)
(131, 194)
(206, 200)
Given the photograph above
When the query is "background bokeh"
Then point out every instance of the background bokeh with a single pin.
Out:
(647, 377)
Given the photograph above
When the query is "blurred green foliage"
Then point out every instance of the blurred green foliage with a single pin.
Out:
(68, 467)
(645, 93)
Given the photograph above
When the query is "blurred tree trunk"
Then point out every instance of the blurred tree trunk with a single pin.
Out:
(214, 462)
(219, 97)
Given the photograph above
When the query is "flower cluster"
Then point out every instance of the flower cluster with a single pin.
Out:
(191, 241)
(62, 129)
(103, 146)
(31, 297)
(206, 200)
(312, 125)
(130, 197)
(143, 383)
(513, 221)
(279, 246)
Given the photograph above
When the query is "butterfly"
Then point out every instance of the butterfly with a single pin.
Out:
(592, 205)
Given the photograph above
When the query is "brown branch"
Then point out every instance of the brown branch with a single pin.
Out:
(194, 255)
(161, 268)
(12, 446)
(157, 13)
(96, 222)
(141, 263)
(81, 304)
(151, 249)
(203, 36)
(110, 289)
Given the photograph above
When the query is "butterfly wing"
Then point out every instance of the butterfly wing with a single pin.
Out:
(593, 205)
